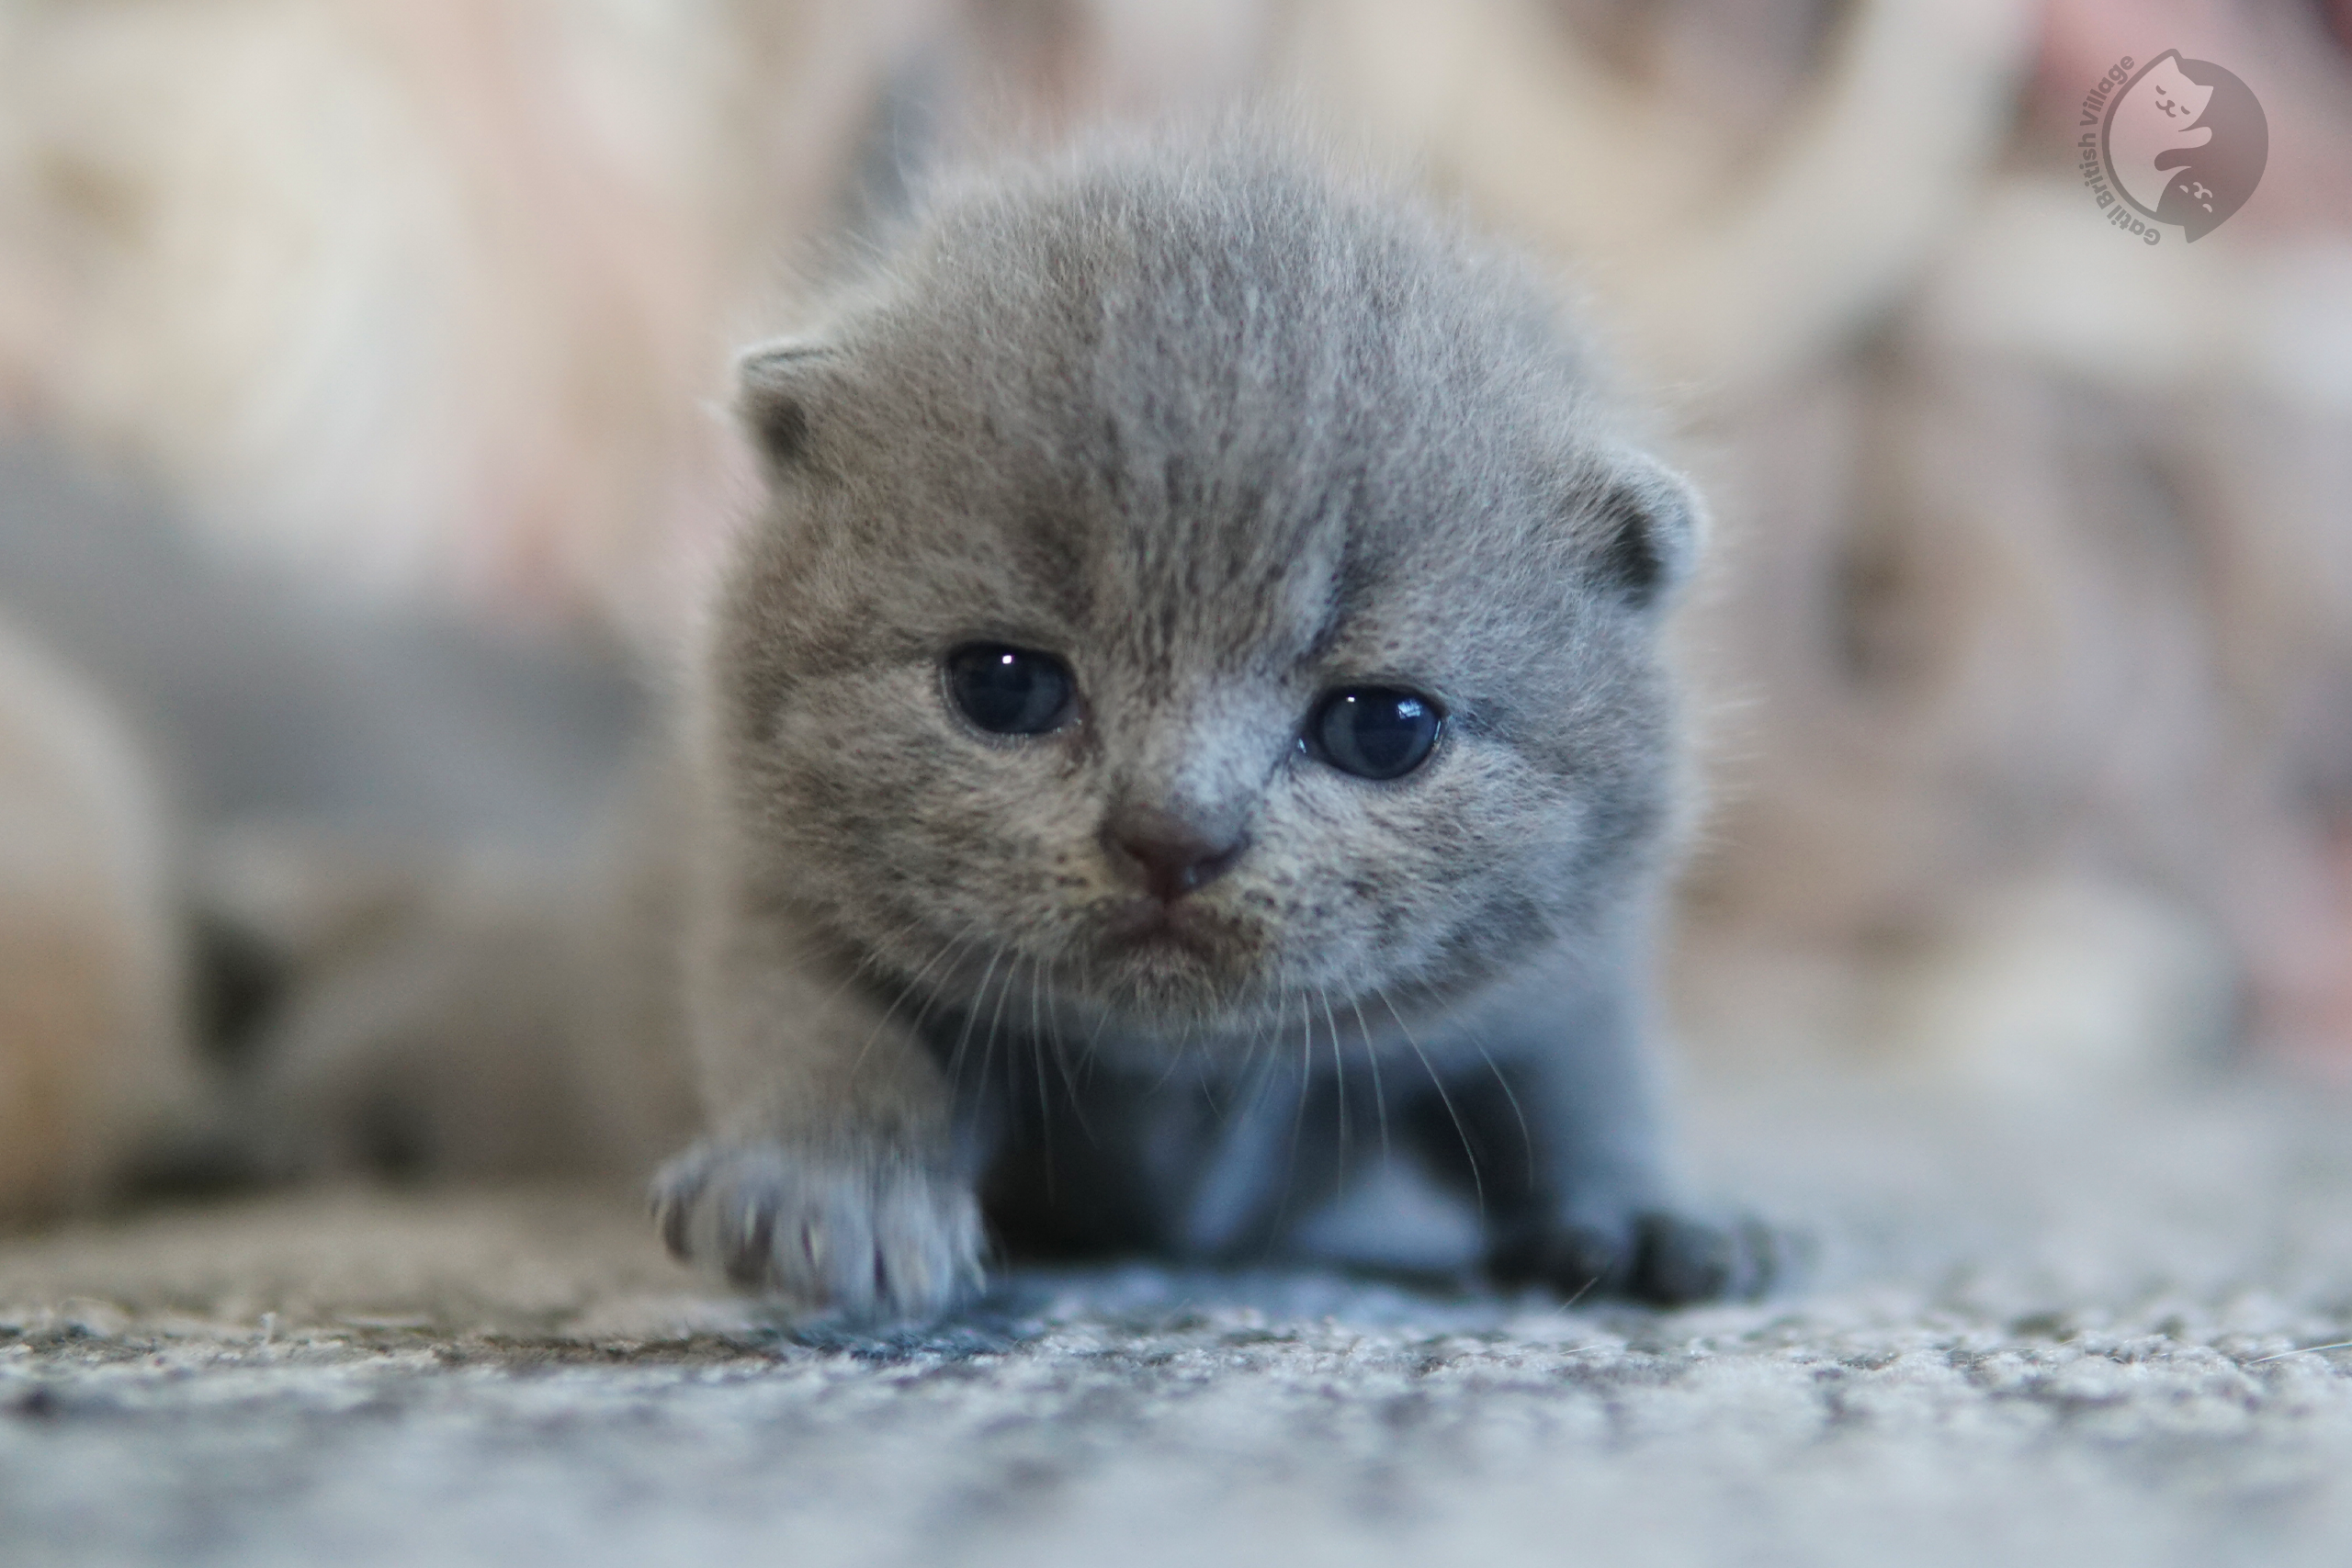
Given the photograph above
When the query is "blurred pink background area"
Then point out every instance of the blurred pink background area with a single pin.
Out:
(2026, 660)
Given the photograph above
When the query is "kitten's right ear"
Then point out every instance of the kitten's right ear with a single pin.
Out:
(1649, 524)
(776, 385)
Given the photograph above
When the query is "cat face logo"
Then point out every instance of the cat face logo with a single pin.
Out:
(2182, 141)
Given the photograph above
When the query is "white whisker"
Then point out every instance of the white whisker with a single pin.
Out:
(1037, 1067)
(972, 1018)
(2304, 1350)
(1469, 1150)
(900, 998)
(868, 961)
(1372, 1060)
(996, 1023)
(1062, 1061)
(1526, 1140)
(1338, 1068)
(1298, 1107)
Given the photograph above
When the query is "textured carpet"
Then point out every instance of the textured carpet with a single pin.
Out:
(2065, 1337)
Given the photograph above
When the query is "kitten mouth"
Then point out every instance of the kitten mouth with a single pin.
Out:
(1146, 927)
(1183, 966)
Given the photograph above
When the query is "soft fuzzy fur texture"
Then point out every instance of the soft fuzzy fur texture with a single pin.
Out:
(1223, 435)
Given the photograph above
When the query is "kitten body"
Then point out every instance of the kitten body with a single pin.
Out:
(1226, 442)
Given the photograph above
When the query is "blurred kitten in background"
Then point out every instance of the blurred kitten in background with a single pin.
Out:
(93, 1043)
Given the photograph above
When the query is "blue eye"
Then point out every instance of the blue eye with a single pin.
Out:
(1009, 690)
(1374, 732)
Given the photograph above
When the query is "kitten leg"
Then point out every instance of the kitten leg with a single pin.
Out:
(830, 1178)
(1556, 1128)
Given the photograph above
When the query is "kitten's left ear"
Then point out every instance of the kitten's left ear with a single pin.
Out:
(777, 384)
(1646, 524)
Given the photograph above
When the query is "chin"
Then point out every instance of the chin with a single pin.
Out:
(1174, 1004)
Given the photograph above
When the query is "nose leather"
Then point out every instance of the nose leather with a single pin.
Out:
(1172, 854)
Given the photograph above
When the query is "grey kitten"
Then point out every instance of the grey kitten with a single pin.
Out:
(1187, 731)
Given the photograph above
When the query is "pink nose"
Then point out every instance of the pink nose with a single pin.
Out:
(1174, 856)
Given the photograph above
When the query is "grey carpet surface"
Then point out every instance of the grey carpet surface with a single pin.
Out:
(2070, 1335)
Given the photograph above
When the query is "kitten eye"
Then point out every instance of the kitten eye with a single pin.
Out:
(1374, 732)
(1009, 690)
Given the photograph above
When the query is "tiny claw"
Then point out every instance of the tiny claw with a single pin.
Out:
(749, 1260)
(673, 1199)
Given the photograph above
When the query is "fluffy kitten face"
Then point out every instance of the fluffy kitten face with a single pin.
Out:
(1221, 448)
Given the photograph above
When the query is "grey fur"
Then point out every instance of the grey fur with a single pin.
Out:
(1225, 433)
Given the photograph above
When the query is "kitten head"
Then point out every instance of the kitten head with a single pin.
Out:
(1193, 592)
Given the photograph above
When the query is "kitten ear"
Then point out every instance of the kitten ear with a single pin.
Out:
(776, 383)
(1646, 524)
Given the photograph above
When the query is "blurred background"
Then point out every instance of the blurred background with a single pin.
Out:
(363, 368)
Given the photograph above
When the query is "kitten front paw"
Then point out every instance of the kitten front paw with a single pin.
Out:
(1664, 1260)
(880, 1237)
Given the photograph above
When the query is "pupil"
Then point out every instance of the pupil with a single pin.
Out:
(1387, 732)
(1008, 691)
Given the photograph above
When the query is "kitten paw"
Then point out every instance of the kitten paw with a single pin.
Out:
(1663, 1258)
(879, 1239)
